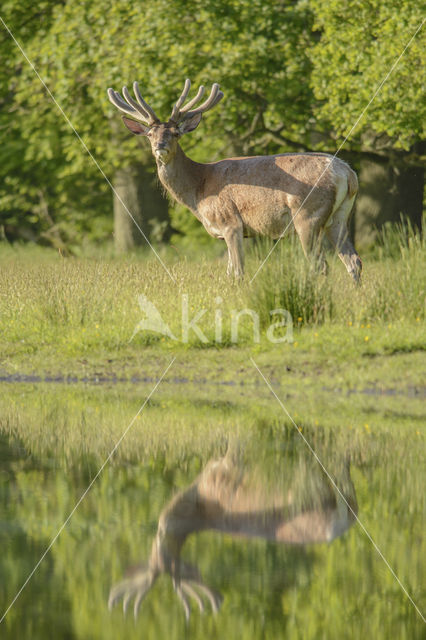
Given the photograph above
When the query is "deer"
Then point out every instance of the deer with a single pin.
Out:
(311, 193)
(228, 497)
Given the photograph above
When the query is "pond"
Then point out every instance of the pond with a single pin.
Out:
(215, 516)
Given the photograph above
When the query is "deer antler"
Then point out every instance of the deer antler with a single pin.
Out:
(180, 112)
(189, 587)
(142, 579)
(190, 584)
(137, 585)
(138, 109)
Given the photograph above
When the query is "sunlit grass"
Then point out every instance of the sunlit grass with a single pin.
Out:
(393, 283)
(79, 306)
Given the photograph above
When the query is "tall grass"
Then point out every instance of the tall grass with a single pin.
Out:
(289, 282)
(76, 305)
(393, 283)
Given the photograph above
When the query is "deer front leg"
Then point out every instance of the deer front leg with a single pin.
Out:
(229, 267)
(234, 241)
(227, 225)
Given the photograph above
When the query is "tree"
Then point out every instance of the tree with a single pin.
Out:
(256, 51)
(296, 76)
(41, 196)
(363, 47)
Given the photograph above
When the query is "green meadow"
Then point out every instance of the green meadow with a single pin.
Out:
(81, 317)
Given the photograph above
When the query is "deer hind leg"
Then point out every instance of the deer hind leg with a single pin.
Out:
(337, 233)
(310, 235)
(234, 241)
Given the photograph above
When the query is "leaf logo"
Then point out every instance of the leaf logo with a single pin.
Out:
(152, 320)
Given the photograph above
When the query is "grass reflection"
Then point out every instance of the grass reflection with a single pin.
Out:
(53, 441)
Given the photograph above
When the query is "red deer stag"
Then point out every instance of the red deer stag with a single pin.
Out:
(226, 497)
(242, 197)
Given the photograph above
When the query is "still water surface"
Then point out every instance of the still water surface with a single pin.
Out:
(213, 519)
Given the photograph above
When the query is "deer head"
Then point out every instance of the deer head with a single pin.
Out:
(164, 136)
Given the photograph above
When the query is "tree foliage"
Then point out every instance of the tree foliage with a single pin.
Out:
(296, 75)
(370, 55)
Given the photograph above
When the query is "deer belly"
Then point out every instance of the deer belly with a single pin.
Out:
(267, 223)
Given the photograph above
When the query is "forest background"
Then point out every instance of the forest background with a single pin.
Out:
(296, 76)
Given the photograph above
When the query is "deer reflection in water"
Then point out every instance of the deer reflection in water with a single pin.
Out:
(230, 497)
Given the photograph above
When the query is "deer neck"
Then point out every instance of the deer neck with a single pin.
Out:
(182, 178)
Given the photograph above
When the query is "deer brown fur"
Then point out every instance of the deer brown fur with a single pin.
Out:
(260, 195)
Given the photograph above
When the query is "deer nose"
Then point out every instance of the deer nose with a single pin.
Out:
(161, 152)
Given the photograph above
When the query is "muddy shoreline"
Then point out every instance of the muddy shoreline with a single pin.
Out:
(18, 378)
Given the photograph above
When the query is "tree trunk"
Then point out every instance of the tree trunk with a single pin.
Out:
(137, 193)
(386, 193)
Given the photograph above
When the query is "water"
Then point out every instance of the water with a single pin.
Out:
(214, 500)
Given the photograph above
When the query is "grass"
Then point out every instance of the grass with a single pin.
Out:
(352, 377)
(393, 286)
(77, 316)
(68, 423)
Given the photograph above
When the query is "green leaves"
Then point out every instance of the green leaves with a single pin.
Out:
(367, 57)
(295, 76)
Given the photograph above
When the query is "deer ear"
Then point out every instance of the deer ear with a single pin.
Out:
(190, 123)
(136, 127)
